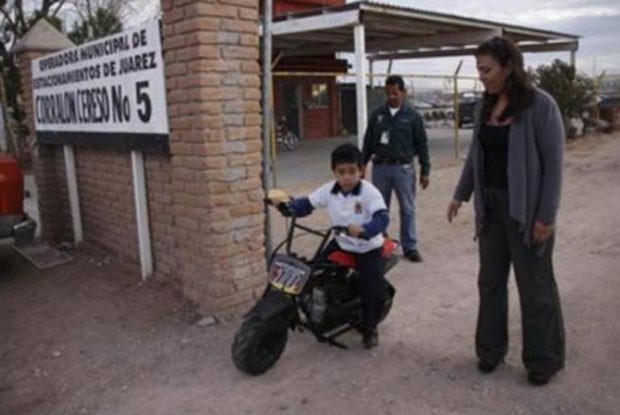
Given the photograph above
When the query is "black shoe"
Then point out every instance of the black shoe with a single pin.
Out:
(413, 256)
(486, 367)
(537, 378)
(371, 339)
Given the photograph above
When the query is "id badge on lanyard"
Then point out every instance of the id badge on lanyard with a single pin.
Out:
(385, 137)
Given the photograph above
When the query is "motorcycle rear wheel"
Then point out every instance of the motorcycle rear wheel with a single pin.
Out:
(259, 343)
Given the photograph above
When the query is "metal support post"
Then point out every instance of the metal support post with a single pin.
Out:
(360, 81)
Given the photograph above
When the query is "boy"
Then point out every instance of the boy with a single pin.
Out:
(357, 205)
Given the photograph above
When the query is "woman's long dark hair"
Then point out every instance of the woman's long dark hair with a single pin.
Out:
(518, 85)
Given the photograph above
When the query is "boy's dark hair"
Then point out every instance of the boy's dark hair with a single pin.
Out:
(518, 85)
(347, 154)
(395, 80)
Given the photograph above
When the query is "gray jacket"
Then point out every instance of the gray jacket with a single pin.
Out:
(535, 150)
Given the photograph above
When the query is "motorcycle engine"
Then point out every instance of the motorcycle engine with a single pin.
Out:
(333, 301)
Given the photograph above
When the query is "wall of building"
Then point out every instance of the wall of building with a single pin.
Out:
(206, 214)
(211, 52)
(48, 166)
(316, 121)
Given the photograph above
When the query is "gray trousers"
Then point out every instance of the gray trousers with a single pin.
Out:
(541, 315)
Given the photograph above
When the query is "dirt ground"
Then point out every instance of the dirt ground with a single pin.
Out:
(89, 338)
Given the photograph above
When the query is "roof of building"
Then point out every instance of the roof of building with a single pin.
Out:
(43, 37)
(395, 32)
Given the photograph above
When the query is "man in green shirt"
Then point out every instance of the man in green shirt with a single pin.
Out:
(394, 137)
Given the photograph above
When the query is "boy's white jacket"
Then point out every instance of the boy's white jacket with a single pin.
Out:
(355, 208)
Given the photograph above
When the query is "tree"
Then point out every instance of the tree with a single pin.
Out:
(102, 17)
(573, 92)
(103, 22)
(15, 21)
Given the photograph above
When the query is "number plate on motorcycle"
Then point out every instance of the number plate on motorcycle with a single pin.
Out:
(288, 274)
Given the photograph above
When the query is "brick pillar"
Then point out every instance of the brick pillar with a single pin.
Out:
(48, 161)
(213, 91)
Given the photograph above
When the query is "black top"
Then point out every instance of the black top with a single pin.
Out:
(494, 142)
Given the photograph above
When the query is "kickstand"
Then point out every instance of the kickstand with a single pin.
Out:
(333, 342)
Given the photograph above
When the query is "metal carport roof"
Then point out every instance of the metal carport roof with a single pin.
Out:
(394, 32)
(375, 31)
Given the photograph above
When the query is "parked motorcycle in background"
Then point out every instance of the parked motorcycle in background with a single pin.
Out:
(285, 136)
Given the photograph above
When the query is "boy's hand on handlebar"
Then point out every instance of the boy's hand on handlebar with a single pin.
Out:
(355, 230)
(277, 197)
(285, 209)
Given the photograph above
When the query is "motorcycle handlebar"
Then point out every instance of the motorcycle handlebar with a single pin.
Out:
(343, 230)
(284, 208)
(338, 230)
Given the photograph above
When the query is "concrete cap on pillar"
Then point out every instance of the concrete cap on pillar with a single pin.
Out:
(42, 37)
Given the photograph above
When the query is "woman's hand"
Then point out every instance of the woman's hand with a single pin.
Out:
(541, 232)
(453, 209)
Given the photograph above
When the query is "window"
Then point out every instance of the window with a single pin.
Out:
(319, 97)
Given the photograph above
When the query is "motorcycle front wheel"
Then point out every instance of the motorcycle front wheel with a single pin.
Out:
(259, 343)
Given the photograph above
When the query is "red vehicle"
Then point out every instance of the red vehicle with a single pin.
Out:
(14, 222)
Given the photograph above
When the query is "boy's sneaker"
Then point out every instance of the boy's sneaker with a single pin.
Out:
(371, 339)
(413, 256)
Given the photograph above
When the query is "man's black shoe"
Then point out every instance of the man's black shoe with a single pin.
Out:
(486, 367)
(537, 378)
(413, 256)
(371, 339)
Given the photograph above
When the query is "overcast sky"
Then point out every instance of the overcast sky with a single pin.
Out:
(597, 21)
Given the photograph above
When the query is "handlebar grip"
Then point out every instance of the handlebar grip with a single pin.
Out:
(286, 210)
(340, 230)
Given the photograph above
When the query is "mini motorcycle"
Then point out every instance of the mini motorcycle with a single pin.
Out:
(319, 294)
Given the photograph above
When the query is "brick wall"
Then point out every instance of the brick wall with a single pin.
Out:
(106, 201)
(212, 76)
(48, 167)
(163, 238)
(205, 197)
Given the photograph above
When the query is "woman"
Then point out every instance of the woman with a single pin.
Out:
(514, 170)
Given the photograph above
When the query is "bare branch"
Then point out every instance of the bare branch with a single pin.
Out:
(46, 6)
(19, 17)
(60, 4)
(7, 16)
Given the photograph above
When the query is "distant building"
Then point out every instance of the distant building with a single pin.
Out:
(609, 110)
(308, 34)
(309, 103)
(610, 85)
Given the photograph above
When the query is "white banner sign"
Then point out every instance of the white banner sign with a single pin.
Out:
(111, 85)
